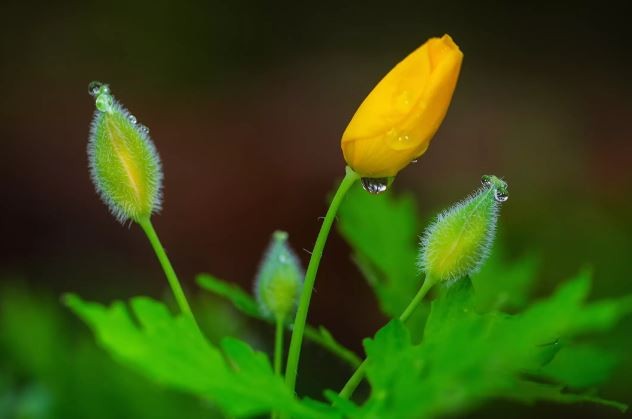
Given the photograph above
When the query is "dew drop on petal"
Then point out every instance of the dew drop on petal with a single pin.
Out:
(132, 119)
(398, 140)
(375, 185)
(402, 101)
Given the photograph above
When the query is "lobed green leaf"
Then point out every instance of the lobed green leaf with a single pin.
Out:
(467, 357)
(171, 350)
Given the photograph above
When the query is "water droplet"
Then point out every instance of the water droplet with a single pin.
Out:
(403, 101)
(486, 180)
(142, 128)
(414, 161)
(375, 185)
(500, 196)
(94, 88)
(104, 102)
(132, 119)
(398, 140)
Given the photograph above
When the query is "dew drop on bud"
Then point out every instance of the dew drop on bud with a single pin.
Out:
(132, 119)
(500, 196)
(104, 102)
(143, 129)
(94, 88)
(457, 243)
(375, 185)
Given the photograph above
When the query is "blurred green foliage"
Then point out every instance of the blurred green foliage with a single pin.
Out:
(467, 356)
(51, 368)
(381, 231)
(479, 339)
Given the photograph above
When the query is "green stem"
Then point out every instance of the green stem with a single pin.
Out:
(425, 287)
(278, 353)
(353, 382)
(278, 345)
(310, 277)
(358, 375)
(172, 278)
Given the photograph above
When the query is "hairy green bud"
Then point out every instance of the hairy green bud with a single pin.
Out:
(279, 280)
(458, 242)
(124, 164)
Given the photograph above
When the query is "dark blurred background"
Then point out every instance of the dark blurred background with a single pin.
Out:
(246, 102)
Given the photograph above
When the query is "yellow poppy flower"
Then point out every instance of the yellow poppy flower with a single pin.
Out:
(397, 120)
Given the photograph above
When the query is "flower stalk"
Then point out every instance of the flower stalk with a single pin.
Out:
(310, 277)
(170, 273)
(127, 174)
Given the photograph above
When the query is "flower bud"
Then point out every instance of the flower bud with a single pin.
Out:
(397, 120)
(460, 239)
(124, 163)
(280, 278)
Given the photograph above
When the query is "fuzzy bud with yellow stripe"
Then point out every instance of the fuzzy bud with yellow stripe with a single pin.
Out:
(459, 241)
(124, 164)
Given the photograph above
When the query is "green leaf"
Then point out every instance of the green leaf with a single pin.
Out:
(580, 366)
(467, 357)
(171, 350)
(247, 304)
(382, 230)
(504, 284)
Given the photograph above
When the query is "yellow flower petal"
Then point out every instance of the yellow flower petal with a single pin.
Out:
(397, 120)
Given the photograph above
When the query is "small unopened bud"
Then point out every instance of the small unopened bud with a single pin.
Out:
(280, 278)
(460, 239)
(124, 163)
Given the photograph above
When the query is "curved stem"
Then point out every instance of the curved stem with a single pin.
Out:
(358, 375)
(310, 277)
(172, 278)
(410, 309)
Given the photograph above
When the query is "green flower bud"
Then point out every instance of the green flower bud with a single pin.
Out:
(460, 239)
(280, 278)
(124, 164)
